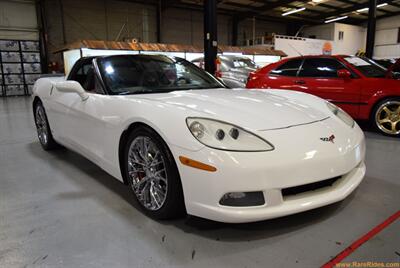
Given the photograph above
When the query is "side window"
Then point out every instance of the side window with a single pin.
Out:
(85, 75)
(289, 68)
(80, 75)
(320, 67)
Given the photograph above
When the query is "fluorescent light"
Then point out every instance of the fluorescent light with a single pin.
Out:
(336, 19)
(363, 9)
(366, 8)
(293, 11)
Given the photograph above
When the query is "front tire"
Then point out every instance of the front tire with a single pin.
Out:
(386, 117)
(153, 175)
(43, 128)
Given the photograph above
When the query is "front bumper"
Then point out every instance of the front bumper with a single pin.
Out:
(270, 172)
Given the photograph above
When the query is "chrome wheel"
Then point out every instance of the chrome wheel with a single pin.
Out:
(387, 117)
(147, 173)
(41, 125)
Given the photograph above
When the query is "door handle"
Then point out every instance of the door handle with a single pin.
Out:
(299, 82)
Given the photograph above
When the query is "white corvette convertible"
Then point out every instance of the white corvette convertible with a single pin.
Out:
(185, 143)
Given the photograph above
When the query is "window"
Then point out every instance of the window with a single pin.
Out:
(243, 63)
(289, 68)
(80, 71)
(366, 66)
(341, 35)
(85, 75)
(398, 35)
(320, 67)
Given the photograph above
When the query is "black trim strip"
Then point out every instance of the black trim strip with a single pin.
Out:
(296, 125)
(348, 102)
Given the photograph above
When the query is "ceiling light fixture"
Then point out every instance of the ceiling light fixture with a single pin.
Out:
(362, 9)
(336, 19)
(366, 8)
(293, 11)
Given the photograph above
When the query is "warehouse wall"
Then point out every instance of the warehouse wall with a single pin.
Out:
(263, 28)
(387, 44)
(103, 20)
(186, 27)
(18, 20)
(98, 20)
(324, 31)
(354, 38)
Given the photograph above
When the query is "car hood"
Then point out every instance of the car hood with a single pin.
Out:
(251, 109)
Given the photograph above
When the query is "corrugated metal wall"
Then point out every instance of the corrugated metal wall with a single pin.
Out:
(18, 20)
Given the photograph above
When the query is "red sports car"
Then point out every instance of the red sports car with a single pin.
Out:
(364, 89)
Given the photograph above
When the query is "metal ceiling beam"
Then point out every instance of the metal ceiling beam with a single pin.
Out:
(248, 7)
(228, 12)
(351, 9)
(347, 2)
(395, 4)
(308, 9)
(266, 7)
(389, 15)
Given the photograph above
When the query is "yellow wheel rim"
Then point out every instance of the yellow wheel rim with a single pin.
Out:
(387, 117)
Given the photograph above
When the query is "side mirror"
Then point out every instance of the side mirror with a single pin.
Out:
(70, 86)
(394, 75)
(344, 73)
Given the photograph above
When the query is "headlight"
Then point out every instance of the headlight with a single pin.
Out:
(341, 114)
(224, 136)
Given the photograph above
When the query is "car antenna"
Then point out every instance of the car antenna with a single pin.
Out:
(295, 50)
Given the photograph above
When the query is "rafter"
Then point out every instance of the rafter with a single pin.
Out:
(355, 7)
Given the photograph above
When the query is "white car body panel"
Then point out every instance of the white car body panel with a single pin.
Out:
(293, 122)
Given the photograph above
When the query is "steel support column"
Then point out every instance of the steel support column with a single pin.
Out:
(158, 21)
(235, 25)
(210, 35)
(41, 17)
(371, 28)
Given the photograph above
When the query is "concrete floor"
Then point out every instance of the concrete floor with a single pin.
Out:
(58, 209)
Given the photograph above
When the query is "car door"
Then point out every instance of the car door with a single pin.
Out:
(319, 76)
(83, 125)
(87, 125)
(284, 76)
(61, 102)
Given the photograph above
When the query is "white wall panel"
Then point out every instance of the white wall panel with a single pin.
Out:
(386, 42)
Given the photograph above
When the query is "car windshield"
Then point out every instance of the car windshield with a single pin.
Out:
(141, 74)
(367, 67)
(243, 63)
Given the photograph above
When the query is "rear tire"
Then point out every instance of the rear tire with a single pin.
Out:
(385, 117)
(152, 174)
(43, 128)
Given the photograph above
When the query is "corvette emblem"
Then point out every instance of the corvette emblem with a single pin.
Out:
(331, 138)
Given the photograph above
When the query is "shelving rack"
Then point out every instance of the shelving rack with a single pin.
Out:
(19, 66)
